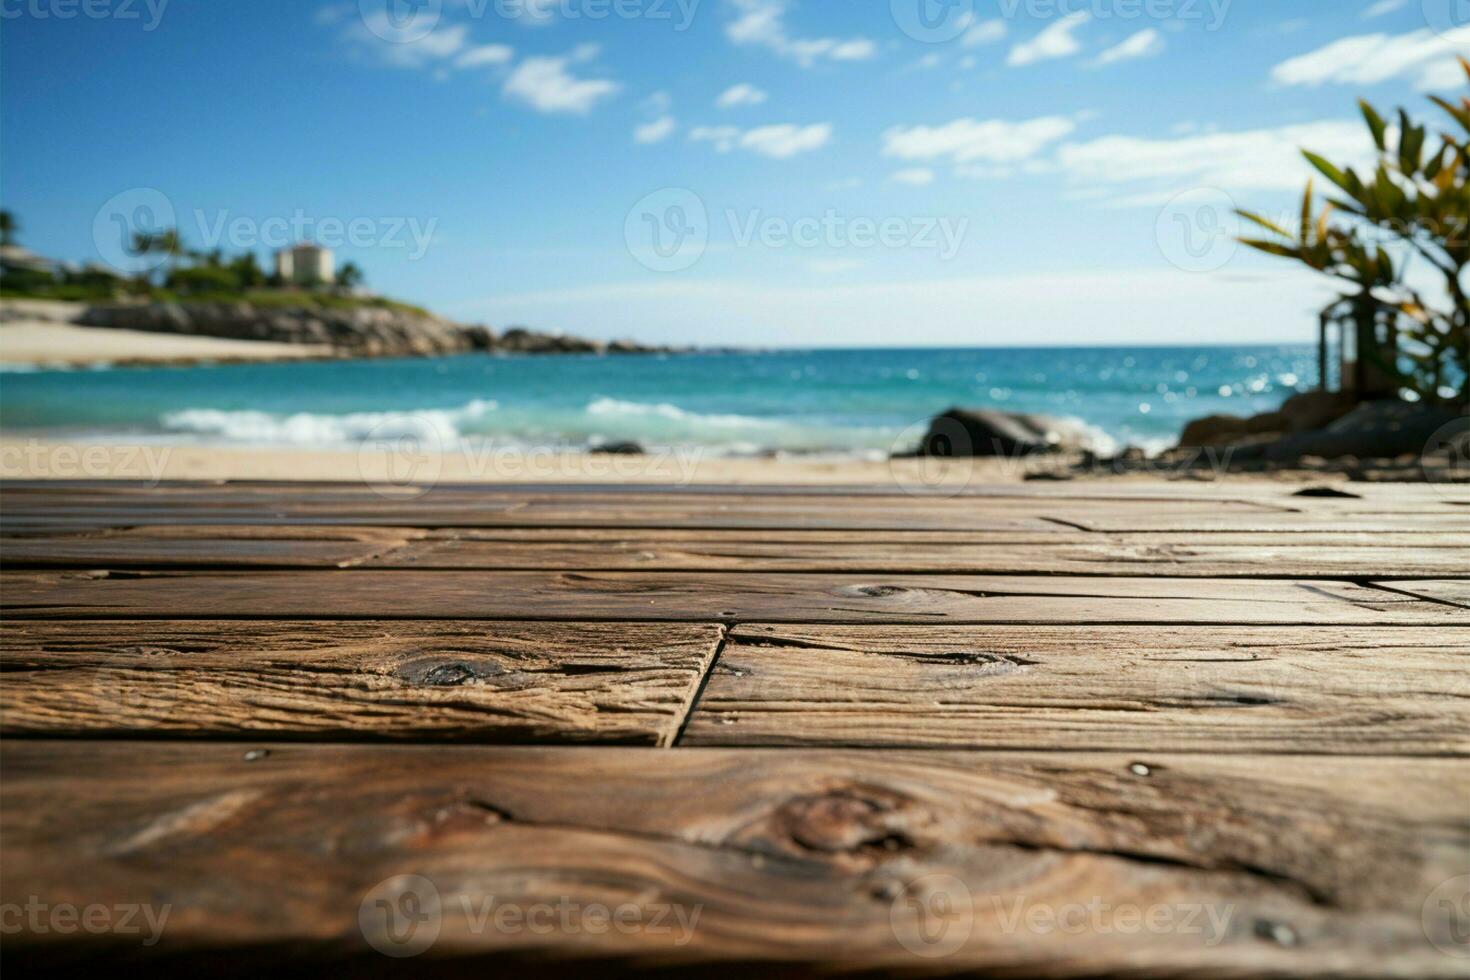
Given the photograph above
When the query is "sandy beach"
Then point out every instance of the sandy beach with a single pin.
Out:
(38, 459)
(50, 342)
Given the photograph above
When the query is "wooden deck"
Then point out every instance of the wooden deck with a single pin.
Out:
(1065, 730)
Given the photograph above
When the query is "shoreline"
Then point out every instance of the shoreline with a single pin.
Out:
(40, 345)
(25, 458)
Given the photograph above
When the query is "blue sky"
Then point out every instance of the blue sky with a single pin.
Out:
(819, 173)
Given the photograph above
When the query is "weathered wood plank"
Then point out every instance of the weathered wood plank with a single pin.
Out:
(1271, 491)
(484, 681)
(707, 597)
(1444, 590)
(1146, 519)
(1191, 689)
(602, 549)
(1013, 863)
(242, 546)
(1174, 555)
(585, 509)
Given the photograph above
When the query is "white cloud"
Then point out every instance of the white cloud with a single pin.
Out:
(725, 138)
(914, 176)
(1442, 75)
(740, 95)
(1144, 44)
(787, 140)
(547, 86)
(657, 104)
(1367, 59)
(762, 23)
(485, 54)
(985, 32)
(440, 44)
(1260, 159)
(778, 142)
(975, 140)
(655, 132)
(1056, 41)
(1384, 7)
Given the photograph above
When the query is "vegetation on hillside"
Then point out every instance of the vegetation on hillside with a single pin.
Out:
(186, 274)
(1413, 209)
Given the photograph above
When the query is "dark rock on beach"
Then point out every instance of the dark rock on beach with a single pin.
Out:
(1382, 429)
(618, 449)
(1328, 432)
(1300, 413)
(961, 432)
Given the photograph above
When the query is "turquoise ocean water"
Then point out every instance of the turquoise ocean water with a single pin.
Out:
(833, 402)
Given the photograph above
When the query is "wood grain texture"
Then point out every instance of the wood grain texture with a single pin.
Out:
(1456, 591)
(707, 597)
(440, 508)
(1145, 519)
(187, 546)
(1290, 866)
(481, 682)
(1166, 555)
(1329, 690)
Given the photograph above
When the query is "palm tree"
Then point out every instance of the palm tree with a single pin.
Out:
(8, 227)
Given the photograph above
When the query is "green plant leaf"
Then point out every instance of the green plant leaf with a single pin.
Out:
(1375, 123)
(1330, 171)
(1264, 222)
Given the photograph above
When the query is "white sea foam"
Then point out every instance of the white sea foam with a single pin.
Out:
(664, 410)
(319, 429)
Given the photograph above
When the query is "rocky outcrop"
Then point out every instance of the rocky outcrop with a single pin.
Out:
(1300, 413)
(1379, 430)
(359, 331)
(961, 432)
(1317, 430)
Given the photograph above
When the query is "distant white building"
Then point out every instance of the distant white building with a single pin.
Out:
(306, 264)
